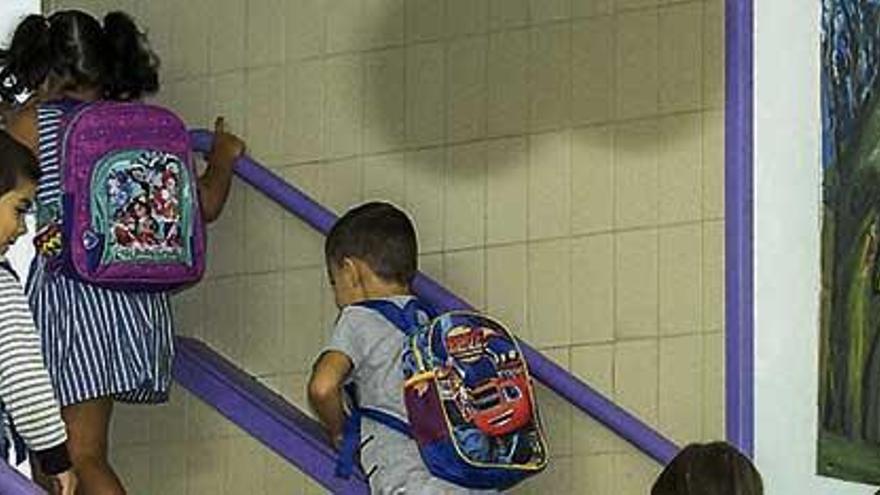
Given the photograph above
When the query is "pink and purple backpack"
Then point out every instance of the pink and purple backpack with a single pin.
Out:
(129, 217)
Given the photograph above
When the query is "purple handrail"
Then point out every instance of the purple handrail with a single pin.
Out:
(738, 177)
(13, 483)
(556, 378)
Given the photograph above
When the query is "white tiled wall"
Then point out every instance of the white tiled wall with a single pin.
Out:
(562, 160)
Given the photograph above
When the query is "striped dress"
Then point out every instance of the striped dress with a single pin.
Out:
(97, 342)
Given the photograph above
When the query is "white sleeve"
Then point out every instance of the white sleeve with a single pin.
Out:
(25, 388)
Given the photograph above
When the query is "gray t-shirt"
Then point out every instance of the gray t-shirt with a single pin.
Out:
(391, 459)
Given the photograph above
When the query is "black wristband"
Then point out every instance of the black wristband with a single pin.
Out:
(55, 460)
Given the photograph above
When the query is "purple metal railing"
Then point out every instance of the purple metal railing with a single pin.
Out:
(738, 177)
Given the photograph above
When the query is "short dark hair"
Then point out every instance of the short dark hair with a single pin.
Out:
(17, 162)
(709, 469)
(378, 234)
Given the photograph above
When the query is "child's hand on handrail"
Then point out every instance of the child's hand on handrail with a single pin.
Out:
(214, 184)
(227, 147)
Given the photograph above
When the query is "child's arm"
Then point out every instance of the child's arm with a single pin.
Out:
(325, 391)
(214, 183)
(25, 388)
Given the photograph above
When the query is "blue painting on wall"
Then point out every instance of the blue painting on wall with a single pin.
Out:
(849, 357)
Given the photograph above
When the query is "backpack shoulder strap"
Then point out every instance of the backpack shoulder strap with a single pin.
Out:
(385, 419)
(405, 319)
(351, 432)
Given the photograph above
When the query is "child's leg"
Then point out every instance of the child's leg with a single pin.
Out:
(87, 424)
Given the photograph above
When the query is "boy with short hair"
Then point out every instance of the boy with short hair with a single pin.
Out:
(27, 401)
(371, 253)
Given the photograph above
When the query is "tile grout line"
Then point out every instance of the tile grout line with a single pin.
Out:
(658, 246)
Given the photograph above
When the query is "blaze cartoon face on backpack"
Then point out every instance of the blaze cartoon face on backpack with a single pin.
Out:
(487, 380)
(483, 387)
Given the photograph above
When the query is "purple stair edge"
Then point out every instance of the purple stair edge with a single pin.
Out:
(14, 483)
(260, 412)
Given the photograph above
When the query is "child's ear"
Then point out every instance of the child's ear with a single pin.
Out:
(351, 269)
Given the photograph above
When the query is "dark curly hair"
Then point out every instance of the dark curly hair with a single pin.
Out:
(70, 49)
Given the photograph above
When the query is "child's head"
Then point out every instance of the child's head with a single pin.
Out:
(371, 252)
(709, 469)
(19, 173)
(71, 51)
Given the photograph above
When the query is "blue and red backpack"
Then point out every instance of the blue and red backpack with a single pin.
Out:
(469, 399)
